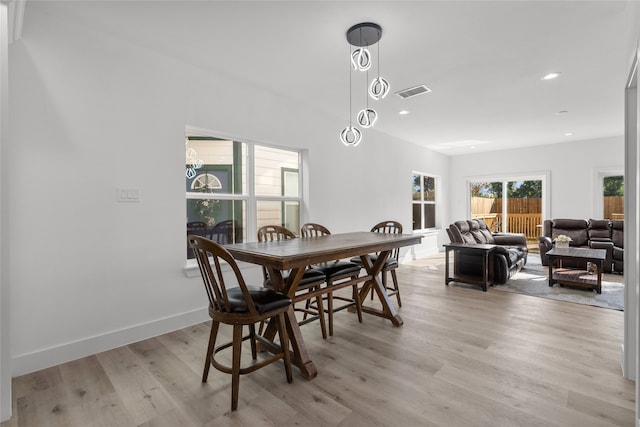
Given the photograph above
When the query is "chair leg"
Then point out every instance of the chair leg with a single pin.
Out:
(356, 300)
(252, 334)
(330, 311)
(284, 344)
(323, 324)
(395, 284)
(307, 307)
(212, 342)
(235, 365)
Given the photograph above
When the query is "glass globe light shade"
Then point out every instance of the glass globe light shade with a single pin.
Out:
(379, 88)
(361, 59)
(367, 117)
(351, 136)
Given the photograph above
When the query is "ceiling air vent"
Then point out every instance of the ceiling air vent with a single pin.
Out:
(413, 91)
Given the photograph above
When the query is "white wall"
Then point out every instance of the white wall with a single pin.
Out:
(569, 166)
(91, 113)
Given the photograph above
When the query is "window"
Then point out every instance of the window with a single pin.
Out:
(234, 187)
(424, 201)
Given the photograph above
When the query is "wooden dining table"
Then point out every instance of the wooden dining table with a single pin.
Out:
(297, 254)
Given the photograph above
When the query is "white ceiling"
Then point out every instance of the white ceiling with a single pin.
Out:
(483, 60)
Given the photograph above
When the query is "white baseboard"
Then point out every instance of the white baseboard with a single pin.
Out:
(423, 253)
(31, 362)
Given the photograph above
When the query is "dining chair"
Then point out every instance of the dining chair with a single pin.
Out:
(238, 306)
(312, 280)
(337, 273)
(226, 232)
(391, 264)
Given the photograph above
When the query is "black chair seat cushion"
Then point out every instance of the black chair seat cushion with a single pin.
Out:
(337, 268)
(310, 275)
(512, 253)
(265, 300)
(389, 264)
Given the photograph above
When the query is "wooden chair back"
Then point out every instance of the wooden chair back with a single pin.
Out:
(313, 230)
(392, 227)
(271, 233)
(207, 253)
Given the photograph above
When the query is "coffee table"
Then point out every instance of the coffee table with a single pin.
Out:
(575, 276)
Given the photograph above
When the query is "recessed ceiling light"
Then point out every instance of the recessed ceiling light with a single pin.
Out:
(568, 134)
(403, 112)
(561, 112)
(551, 76)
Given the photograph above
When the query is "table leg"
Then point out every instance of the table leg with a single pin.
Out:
(300, 356)
(446, 266)
(599, 282)
(388, 310)
(485, 270)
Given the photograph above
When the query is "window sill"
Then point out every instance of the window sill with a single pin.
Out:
(427, 232)
(191, 268)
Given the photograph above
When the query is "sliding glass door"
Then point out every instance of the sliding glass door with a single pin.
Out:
(508, 206)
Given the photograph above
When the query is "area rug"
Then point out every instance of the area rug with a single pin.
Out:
(532, 280)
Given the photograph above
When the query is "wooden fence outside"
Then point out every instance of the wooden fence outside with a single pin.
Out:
(524, 215)
(614, 207)
(486, 205)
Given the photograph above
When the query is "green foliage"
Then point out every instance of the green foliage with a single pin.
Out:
(613, 186)
(515, 189)
(525, 189)
(492, 190)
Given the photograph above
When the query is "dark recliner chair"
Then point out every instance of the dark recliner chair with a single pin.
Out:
(510, 255)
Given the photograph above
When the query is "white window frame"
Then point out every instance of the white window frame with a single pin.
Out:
(422, 202)
(250, 199)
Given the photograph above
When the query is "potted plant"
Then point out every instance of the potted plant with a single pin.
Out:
(562, 241)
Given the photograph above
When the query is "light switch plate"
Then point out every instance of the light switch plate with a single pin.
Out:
(127, 195)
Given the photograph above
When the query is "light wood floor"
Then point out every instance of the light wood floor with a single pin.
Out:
(462, 358)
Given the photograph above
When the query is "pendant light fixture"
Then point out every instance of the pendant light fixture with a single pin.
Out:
(362, 36)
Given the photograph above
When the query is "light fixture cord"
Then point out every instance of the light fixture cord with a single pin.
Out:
(366, 89)
(349, 46)
(379, 38)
